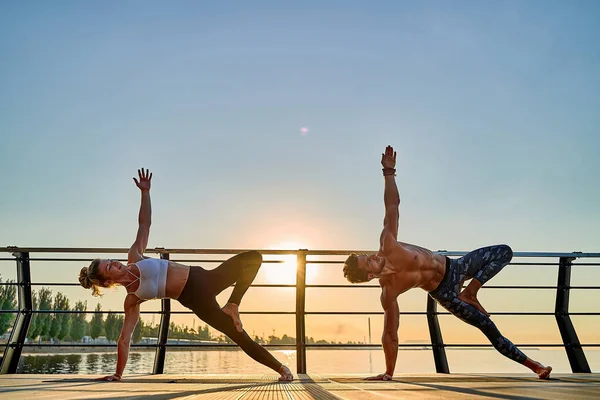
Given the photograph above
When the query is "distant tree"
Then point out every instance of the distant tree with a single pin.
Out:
(8, 301)
(45, 319)
(149, 331)
(78, 322)
(58, 319)
(204, 333)
(61, 303)
(86, 330)
(113, 325)
(110, 326)
(97, 323)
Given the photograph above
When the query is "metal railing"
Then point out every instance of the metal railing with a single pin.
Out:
(570, 340)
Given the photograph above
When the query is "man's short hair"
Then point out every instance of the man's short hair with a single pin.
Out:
(352, 272)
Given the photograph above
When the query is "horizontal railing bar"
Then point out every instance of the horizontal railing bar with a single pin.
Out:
(156, 250)
(269, 261)
(89, 259)
(439, 313)
(374, 345)
(148, 345)
(483, 287)
(314, 345)
(293, 312)
(141, 312)
(290, 285)
(524, 345)
(124, 260)
(274, 285)
(512, 263)
(160, 250)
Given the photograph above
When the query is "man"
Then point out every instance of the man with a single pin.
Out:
(402, 266)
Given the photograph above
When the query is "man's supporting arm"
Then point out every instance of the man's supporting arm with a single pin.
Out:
(389, 338)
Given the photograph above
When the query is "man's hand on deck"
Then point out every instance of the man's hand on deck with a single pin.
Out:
(145, 178)
(388, 159)
(380, 377)
(109, 378)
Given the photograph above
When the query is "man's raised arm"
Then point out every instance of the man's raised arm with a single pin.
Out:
(391, 197)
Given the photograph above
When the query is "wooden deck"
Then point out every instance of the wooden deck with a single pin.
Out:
(351, 387)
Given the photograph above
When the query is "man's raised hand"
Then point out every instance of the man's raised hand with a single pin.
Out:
(388, 159)
(145, 178)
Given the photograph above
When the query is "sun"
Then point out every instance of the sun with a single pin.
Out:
(285, 271)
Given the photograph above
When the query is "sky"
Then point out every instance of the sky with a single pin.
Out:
(263, 123)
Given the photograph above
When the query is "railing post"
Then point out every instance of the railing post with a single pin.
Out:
(12, 352)
(300, 309)
(563, 319)
(437, 343)
(163, 333)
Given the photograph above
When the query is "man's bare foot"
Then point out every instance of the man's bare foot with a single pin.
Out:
(544, 372)
(467, 297)
(232, 310)
(541, 371)
(286, 374)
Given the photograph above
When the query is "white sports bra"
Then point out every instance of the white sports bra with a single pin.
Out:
(153, 278)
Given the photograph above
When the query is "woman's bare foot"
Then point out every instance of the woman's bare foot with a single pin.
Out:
(286, 374)
(467, 297)
(232, 310)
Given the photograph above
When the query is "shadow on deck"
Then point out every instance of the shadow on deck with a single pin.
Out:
(313, 386)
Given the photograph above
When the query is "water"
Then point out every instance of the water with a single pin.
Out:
(330, 361)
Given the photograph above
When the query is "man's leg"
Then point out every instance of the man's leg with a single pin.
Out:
(241, 270)
(482, 265)
(472, 316)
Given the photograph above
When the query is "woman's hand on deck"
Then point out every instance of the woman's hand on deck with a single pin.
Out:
(109, 378)
(145, 178)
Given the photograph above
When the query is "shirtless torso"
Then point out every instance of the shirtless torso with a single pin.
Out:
(409, 266)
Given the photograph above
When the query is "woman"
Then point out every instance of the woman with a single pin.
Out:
(196, 288)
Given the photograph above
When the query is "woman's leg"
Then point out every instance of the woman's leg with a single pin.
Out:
(209, 311)
(241, 270)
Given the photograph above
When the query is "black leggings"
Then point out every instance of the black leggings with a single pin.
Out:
(202, 288)
(481, 264)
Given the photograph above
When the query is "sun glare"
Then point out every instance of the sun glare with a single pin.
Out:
(285, 270)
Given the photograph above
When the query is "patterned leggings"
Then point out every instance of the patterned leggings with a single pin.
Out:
(481, 264)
